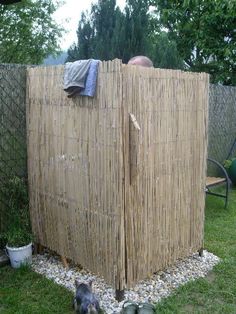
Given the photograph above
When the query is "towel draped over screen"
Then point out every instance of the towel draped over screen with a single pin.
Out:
(80, 77)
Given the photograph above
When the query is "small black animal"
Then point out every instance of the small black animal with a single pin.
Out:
(85, 302)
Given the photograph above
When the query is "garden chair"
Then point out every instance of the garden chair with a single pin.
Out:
(215, 181)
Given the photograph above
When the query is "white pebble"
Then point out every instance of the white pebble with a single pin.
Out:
(160, 285)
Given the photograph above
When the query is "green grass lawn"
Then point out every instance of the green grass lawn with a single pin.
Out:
(217, 292)
(23, 291)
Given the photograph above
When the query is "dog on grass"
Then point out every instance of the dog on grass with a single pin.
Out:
(85, 302)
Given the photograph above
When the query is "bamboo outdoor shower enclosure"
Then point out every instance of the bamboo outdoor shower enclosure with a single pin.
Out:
(117, 181)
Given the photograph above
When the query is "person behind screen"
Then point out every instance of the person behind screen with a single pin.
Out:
(141, 60)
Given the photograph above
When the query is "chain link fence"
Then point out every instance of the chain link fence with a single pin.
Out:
(13, 153)
(222, 123)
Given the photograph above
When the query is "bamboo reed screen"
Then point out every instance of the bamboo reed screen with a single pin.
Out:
(117, 181)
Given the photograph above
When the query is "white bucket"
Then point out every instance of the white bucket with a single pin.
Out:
(20, 255)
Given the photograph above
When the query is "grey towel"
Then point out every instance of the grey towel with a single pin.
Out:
(75, 75)
(91, 81)
(80, 77)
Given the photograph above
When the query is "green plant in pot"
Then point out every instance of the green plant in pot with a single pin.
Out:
(19, 247)
(18, 237)
(18, 231)
(230, 166)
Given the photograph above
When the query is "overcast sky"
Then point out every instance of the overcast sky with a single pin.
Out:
(69, 15)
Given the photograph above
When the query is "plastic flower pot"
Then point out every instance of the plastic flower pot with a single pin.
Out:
(20, 255)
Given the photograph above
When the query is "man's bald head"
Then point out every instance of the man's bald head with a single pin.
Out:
(141, 60)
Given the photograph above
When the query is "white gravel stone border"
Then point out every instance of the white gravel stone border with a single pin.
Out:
(152, 290)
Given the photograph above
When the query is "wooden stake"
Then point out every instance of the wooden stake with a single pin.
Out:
(39, 248)
(64, 262)
(200, 252)
(120, 295)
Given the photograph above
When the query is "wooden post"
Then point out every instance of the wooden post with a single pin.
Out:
(200, 252)
(64, 262)
(38, 248)
(120, 295)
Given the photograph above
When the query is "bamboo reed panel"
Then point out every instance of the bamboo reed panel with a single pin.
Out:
(117, 181)
(164, 206)
(75, 164)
